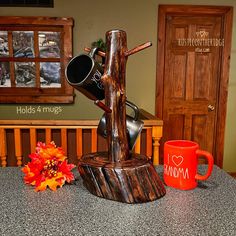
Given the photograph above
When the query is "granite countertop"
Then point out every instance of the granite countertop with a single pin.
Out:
(210, 209)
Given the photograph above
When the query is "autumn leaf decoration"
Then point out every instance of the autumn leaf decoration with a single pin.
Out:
(48, 167)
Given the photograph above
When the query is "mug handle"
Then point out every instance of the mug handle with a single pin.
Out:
(93, 52)
(134, 107)
(128, 103)
(210, 160)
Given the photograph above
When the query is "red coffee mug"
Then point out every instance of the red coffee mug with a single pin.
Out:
(180, 164)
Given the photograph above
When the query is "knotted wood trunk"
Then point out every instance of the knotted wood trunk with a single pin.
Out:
(114, 86)
(117, 174)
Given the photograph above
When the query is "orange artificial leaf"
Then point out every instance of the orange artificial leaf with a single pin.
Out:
(52, 183)
(48, 168)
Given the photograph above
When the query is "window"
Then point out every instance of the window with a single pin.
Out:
(33, 54)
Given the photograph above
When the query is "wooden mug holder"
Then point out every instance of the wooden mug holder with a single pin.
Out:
(119, 174)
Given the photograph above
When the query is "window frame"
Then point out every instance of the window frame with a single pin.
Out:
(38, 94)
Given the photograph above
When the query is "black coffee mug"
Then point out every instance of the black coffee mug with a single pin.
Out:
(84, 73)
(133, 124)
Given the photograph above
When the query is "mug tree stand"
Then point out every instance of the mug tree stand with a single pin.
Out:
(119, 174)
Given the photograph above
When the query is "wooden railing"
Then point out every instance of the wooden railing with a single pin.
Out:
(18, 138)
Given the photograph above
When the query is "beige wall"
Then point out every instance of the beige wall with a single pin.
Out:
(139, 19)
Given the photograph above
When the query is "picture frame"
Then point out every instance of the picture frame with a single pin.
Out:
(34, 52)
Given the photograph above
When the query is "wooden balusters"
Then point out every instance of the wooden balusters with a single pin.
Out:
(18, 146)
(137, 147)
(149, 142)
(48, 135)
(94, 140)
(3, 147)
(64, 140)
(79, 143)
(156, 136)
(152, 128)
(33, 139)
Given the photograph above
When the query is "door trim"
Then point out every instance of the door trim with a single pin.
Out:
(226, 13)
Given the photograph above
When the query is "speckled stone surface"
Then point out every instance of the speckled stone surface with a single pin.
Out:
(210, 209)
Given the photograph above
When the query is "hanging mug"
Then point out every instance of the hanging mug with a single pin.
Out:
(133, 124)
(84, 73)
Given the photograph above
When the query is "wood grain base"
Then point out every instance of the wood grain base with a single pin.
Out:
(131, 181)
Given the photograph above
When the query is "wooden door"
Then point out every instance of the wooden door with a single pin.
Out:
(189, 94)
